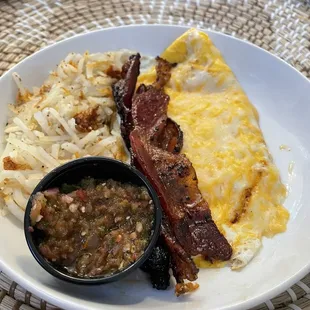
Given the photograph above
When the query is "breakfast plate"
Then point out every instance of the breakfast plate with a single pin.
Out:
(279, 93)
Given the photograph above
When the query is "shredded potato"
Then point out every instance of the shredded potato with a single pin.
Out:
(42, 133)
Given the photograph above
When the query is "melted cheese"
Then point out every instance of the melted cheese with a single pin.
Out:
(223, 140)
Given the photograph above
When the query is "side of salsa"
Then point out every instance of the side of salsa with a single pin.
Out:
(95, 228)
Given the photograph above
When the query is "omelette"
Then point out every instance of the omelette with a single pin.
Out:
(224, 142)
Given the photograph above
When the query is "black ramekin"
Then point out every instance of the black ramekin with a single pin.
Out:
(72, 173)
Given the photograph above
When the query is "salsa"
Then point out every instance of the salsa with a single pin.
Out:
(94, 228)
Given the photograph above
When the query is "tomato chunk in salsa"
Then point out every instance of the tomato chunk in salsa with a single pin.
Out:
(95, 228)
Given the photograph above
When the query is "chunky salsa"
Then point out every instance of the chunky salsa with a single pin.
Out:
(95, 228)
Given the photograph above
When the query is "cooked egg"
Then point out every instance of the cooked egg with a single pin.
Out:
(224, 142)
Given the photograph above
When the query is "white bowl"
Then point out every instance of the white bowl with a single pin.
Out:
(281, 95)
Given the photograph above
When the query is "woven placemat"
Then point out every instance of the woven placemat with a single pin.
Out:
(281, 27)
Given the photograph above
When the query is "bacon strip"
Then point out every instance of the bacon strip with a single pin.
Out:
(175, 181)
(170, 138)
(155, 142)
(158, 265)
(163, 72)
(174, 178)
(182, 264)
(123, 91)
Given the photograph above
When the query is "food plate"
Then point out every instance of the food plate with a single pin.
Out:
(281, 96)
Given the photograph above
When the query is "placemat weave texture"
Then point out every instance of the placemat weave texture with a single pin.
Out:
(279, 26)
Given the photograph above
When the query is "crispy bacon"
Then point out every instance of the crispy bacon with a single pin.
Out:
(174, 178)
(155, 142)
(163, 72)
(175, 181)
(123, 92)
(171, 139)
(181, 262)
(164, 132)
(158, 265)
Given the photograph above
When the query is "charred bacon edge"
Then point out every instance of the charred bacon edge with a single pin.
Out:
(123, 92)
